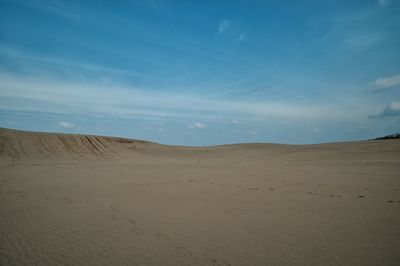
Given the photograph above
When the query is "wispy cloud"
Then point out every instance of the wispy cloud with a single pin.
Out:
(224, 25)
(64, 9)
(363, 41)
(20, 93)
(38, 60)
(384, 3)
(386, 83)
(66, 125)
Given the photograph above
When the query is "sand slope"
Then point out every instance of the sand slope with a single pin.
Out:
(85, 200)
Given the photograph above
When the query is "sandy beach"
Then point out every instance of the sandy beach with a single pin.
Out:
(91, 200)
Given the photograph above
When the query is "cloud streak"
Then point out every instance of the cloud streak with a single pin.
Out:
(197, 125)
(23, 58)
(384, 3)
(51, 95)
(386, 83)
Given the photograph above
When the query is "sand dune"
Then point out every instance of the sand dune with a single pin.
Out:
(93, 200)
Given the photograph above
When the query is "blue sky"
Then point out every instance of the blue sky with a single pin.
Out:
(202, 72)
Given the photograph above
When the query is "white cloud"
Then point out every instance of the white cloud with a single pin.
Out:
(197, 125)
(241, 37)
(235, 121)
(392, 109)
(395, 106)
(66, 125)
(224, 25)
(385, 83)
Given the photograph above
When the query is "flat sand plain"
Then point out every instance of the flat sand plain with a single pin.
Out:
(90, 200)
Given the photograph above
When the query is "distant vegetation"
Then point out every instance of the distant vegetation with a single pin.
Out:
(393, 136)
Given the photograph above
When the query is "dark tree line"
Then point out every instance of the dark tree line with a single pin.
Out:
(392, 136)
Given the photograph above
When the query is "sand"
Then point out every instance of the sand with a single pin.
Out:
(90, 200)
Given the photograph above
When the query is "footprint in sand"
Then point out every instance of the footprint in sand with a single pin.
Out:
(220, 262)
(163, 236)
(183, 250)
(114, 216)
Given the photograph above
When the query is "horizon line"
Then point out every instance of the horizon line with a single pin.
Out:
(188, 146)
